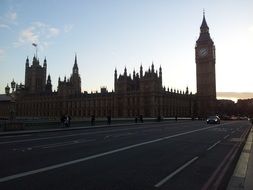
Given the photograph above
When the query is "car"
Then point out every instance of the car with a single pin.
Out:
(213, 120)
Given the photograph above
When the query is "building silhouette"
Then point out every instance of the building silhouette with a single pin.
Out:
(35, 76)
(139, 94)
(72, 85)
(205, 70)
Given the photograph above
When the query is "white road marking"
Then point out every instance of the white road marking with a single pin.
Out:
(211, 147)
(58, 144)
(66, 144)
(107, 136)
(52, 145)
(37, 139)
(15, 176)
(79, 134)
(123, 135)
(226, 136)
(117, 135)
(11, 136)
(176, 172)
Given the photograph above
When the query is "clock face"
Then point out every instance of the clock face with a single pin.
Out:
(203, 52)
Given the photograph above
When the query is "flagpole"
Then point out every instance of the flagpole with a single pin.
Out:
(35, 45)
(36, 52)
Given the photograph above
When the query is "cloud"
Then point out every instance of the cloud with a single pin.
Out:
(39, 33)
(8, 19)
(11, 16)
(45, 28)
(4, 26)
(39, 24)
(234, 95)
(2, 52)
(53, 32)
(68, 28)
(29, 35)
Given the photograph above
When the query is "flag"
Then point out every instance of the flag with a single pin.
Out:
(35, 45)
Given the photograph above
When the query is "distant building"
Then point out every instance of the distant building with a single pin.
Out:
(245, 107)
(226, 108)
(139, 94)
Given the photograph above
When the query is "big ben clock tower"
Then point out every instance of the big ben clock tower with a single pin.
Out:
(205, 69)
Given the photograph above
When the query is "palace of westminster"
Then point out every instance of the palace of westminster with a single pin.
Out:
(140, 94)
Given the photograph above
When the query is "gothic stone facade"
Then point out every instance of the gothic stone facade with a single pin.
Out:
(139, 94)
(142, 94)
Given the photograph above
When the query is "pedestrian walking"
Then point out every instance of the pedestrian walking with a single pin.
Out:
(63, 118)
(92, 120)
(141, 118)
(135, 119)
(109, 120)
(68, 120)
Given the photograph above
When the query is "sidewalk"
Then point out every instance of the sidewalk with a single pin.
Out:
(77, 127)
(80, 126)
(242, 178)
(62, 129)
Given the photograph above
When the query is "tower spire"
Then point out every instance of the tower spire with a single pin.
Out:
(160, 71)
(75, 67)
(27, 62)
(75, 59)
(45, 62)
(204, 31)
(204, 27)
(115, 74)
(141, 71)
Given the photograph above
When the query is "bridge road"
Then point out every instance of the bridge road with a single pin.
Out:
(165, 155)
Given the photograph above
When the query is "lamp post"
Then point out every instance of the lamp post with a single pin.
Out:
(7, 90)
(12, 110)
(13, 85)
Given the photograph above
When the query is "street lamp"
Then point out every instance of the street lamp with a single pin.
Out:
(13, 85)
(7, 90)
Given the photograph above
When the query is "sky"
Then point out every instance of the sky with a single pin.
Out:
(109, 34)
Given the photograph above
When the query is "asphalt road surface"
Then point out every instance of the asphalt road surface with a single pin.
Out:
(166, 155)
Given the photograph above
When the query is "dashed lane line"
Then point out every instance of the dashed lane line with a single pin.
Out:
(226, 137)
(211, 147)
(79, 134)
(66, 144)
(53, 145)
(159, 184)
(56, 166)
